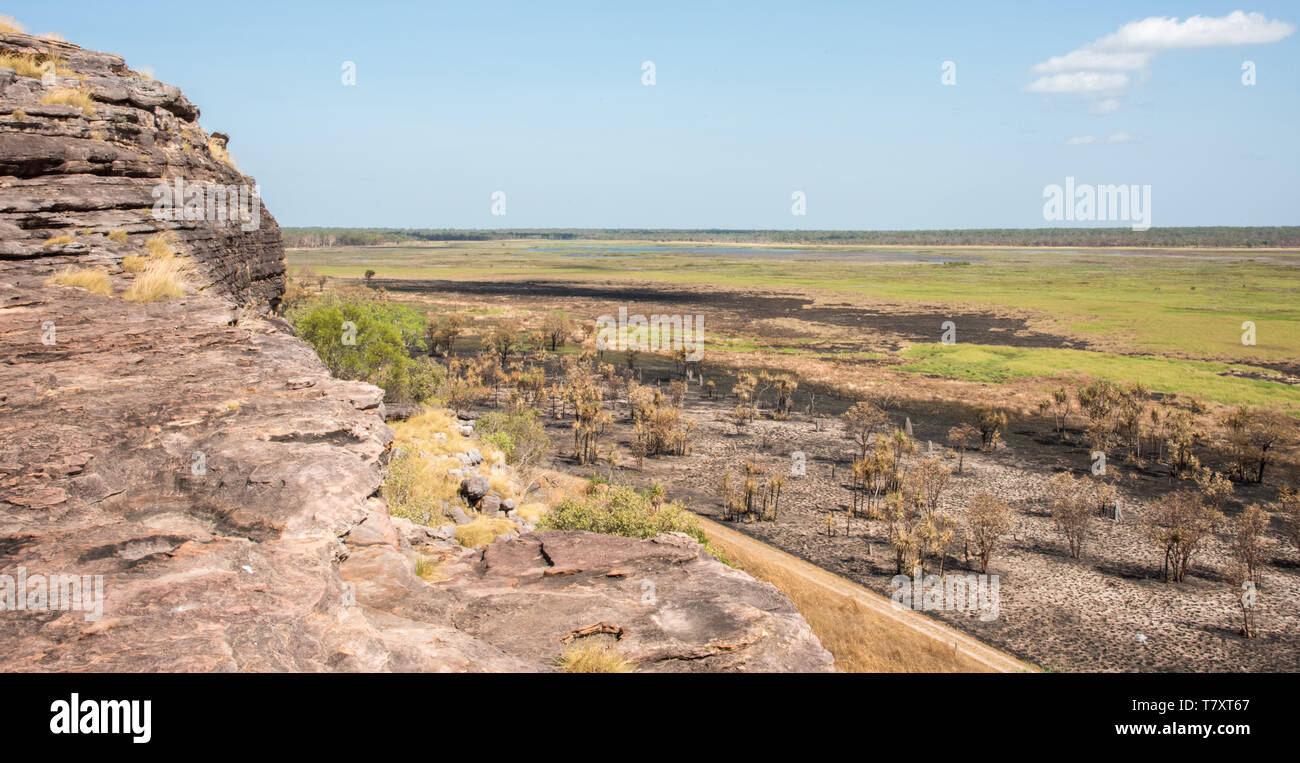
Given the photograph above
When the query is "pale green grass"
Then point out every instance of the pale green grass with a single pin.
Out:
(992, 364)
(1184, 302)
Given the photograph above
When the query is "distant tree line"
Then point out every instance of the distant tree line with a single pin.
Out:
(1208, 237)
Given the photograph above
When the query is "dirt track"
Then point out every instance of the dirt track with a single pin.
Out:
(964, 648)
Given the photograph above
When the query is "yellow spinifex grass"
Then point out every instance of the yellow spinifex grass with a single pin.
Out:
(482, 531)
(90, 279)
(133, 263)
(220, 153)
(594, 656)
(159, 246)
(162, 278)
(9, 25)
(62, 238)
(117, 235)
(79, 97)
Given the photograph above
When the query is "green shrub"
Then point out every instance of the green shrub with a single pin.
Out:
(502, 442)
(378, 351)
(520, 435)
(623, 511)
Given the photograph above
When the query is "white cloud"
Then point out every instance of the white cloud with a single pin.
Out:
(1105, 65)
(1092, 60)
(1078, 82)
(1085, 140)
(1161, 33)
(1104, 107)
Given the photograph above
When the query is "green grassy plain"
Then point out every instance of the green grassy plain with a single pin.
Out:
(1173, 306)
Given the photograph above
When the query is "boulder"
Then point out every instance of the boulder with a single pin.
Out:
(490, 505)
(474, 488)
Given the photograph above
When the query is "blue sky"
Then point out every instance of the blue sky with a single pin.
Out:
(751, 102)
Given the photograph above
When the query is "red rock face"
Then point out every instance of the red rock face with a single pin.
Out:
(198, 462)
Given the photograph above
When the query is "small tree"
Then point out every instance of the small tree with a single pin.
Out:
(1248, 529)
(987, 520)
(503, 339)
(558, 326)
(1073, 510)
(443, 333)
(370, 274)
(1289, 505)
(1254, 435)
(960, 438)
(1178, 524)
(991, 421)
(929, 479)
(861, 422)
(1060, 404)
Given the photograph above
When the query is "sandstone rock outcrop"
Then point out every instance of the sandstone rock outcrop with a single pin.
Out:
(90, 172)
(201, 461)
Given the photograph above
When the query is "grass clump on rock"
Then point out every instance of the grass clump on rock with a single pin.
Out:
(79, 97)
(90, 279)
(159, 279)
(593, 656)
(482, 531)
(624, 511)
(416, 487)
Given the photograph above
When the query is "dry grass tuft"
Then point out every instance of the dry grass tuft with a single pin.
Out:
(429, 569)
(133, 263)
(62, 238)
(162, 278)
(482, 531)
(220, 153)
(531, 511)
(90, 279)
(591, 655)
(117, 235)
(416, 487)
(160, 246)
(79, 97)
(9, 25)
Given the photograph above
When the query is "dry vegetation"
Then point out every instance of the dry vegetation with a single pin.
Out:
(1089, 484)
(90, 279)
(594, 655)
(79, 97)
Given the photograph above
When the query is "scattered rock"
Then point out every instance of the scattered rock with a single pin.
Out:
(474, 488)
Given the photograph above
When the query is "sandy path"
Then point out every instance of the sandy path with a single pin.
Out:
(992, 659)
